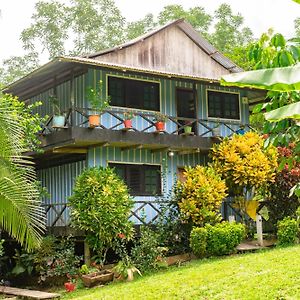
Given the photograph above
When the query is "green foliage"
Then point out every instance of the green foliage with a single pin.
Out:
(20, 212)
(1, 248)
(220, 239)
(173, 233)
(287, 232)
(28, 121)
(94, 24)
(269, 52)
(146, 251)
(280, 203)
(16, 67)
(224, 237)
(201, 195)
(96, 99)
(101, 206)
(53, 258)
(228, 32)
(198, 241)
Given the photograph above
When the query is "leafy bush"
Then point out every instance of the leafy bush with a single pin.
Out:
(287, 232)
(198, 241)
(220, 239)
(53, 258)
(147, 250)
(201, 195)
(280, 204)
(173, 233)
(101, 206)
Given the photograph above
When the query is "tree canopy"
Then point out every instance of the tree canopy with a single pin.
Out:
(80, 27)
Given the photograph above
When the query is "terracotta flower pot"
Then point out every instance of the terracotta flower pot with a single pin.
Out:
(70, 286)
(94, 121)
(128, 123)
(160, 126)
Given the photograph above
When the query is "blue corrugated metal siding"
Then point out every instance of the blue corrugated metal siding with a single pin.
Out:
(59, 182)
(101, 156)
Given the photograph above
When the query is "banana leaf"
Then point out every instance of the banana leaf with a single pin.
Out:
(275, 79)
(290, 111)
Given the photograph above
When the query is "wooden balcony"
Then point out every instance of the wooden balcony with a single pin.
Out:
(76, 136)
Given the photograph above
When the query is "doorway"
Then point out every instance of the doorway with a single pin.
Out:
(186, 106)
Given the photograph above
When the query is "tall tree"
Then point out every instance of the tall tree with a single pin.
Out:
(229, 32)
(196, 16)
(51, 21)
(20, 212)
(94, 24)
(16, 67)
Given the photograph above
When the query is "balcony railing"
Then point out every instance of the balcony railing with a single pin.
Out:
(113, 119)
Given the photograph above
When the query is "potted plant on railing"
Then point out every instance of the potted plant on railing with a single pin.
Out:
(58, 119)
(216, 130)
(160, 120)
(188, 127)
(98, 104)
(128, 116)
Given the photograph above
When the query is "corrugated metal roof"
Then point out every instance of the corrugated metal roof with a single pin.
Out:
(191, 33)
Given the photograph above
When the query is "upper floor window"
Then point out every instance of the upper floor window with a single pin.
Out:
(142, 180)
(133, 93)
(223, 105)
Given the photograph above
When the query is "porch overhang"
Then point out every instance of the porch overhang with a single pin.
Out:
(79, 139)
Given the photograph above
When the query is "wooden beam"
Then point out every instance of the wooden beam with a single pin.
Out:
(160, 149)
(139, 146)
(70, 150)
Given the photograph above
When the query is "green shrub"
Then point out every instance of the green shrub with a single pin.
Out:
(198, 241)
(101, 206)
(147, 250)
(287, 231)
(224, 237)
(220, 239)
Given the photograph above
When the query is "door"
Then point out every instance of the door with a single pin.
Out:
(186, 106)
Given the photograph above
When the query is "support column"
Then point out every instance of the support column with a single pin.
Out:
(259, 230)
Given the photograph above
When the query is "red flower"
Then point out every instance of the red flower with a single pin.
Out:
(121, 235)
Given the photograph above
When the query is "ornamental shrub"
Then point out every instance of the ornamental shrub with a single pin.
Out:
(101, 206)
(287, 232)
(146, 251)
(224, 237)
(244, 162)
(280, 203)
(198, 241)
(201, 195)
(220, 239)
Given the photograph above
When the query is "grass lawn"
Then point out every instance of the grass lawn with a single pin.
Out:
(272, 274)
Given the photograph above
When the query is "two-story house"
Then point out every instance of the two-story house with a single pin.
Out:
(172, 70)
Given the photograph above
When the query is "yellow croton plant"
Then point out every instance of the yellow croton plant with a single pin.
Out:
(244, 162)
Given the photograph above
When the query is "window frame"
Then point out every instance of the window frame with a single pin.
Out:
(142, 192)
(136, 79)
(221, 118)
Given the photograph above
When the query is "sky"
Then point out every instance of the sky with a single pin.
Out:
(259, 15)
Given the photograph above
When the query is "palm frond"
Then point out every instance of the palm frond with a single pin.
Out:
(20, 212)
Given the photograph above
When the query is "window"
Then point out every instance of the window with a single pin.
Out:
(133, 93)
(223, 105)
(142, 180)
